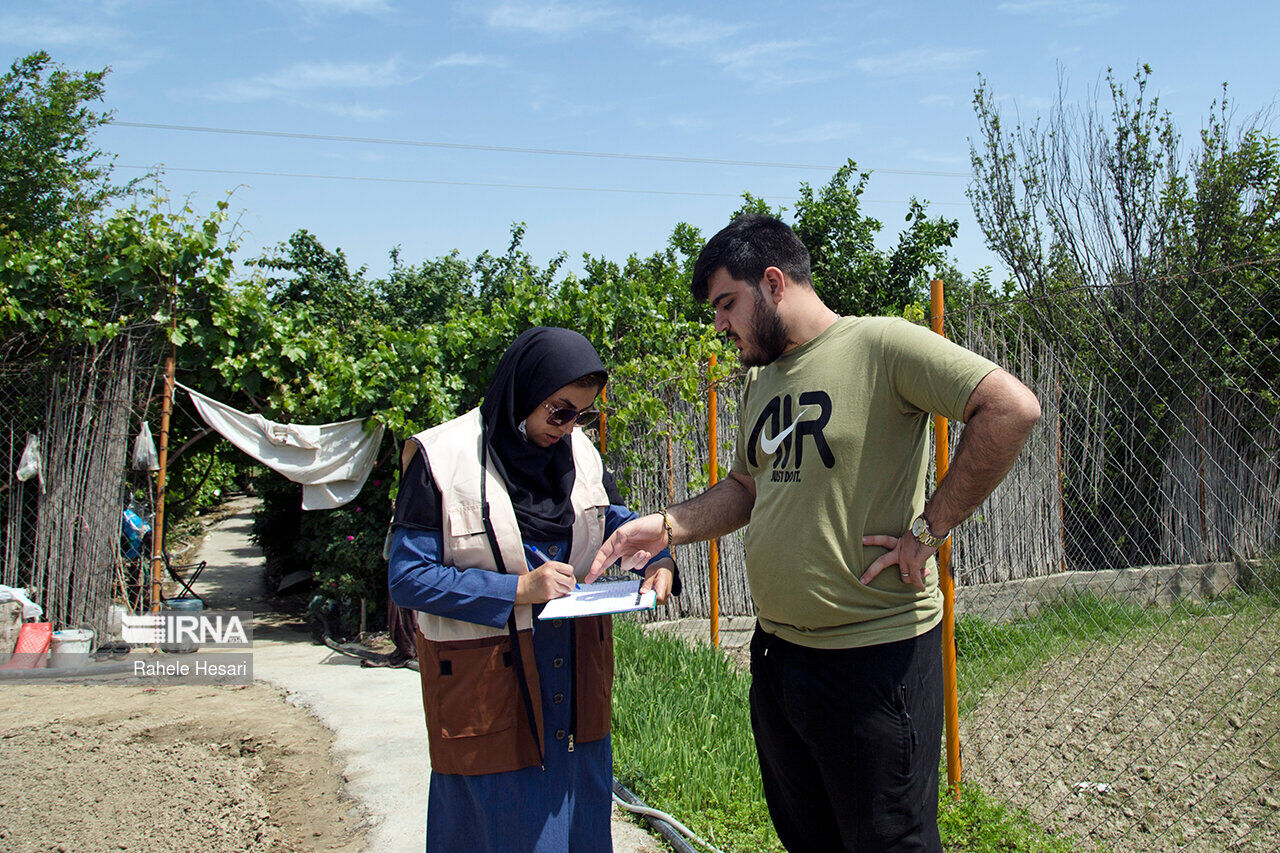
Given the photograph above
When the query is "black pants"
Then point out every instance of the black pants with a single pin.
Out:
(849, 741)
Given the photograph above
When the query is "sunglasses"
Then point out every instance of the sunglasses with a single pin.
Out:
(562, 415)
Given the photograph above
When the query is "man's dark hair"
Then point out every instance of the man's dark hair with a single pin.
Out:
(748, 246)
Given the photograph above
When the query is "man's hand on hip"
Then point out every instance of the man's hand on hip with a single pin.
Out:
(905, 552)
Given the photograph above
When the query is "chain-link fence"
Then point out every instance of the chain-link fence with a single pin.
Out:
(668, 462)
(1117, 595)
(66, 421)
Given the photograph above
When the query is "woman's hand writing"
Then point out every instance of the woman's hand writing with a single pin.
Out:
(548, 581)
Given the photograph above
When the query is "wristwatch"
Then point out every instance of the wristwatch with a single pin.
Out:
(920, 530)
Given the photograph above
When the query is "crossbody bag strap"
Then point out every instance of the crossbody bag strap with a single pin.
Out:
(516, 655)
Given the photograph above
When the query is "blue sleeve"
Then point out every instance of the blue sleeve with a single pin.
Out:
(618, 515)
(419, 581)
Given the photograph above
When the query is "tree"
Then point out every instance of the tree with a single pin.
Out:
(1142, 280)
(417, 295)
(334, 294)
(51, 175)
(850, 274)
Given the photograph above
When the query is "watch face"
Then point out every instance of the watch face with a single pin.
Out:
(920, 530)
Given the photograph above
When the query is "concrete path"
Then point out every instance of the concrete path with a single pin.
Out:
(376, 714)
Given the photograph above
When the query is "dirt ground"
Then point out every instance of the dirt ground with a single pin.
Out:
(1159, 742)
(100, 768)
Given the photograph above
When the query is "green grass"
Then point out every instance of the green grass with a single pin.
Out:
(682, 738)
(1261, 578)
(989, 653)
(977, 822)
(682, 742)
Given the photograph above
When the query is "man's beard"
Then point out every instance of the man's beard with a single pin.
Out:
(768, 334)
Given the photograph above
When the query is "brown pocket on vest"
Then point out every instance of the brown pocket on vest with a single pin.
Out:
(476, 687)
(594, 676)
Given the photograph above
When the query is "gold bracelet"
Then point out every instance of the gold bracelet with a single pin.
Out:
(666, 524)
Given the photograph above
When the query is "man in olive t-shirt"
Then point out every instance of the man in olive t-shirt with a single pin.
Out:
(835, 436)
(846, 693)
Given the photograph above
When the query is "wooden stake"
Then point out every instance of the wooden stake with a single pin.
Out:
(157, 529)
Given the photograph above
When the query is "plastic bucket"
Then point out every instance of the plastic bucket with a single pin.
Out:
(70, 648)
(182, 605)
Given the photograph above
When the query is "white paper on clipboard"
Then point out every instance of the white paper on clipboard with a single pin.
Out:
(599, 598)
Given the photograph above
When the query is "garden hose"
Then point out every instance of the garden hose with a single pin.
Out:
(662, 821)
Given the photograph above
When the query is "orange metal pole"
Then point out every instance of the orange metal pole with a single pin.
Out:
(713, 444)
(604, 398)
(950, 685)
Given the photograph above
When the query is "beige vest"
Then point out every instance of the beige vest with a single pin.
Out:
(453, 453)
(476, 719)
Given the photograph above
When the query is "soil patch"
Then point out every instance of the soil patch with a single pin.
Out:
(182, 768)
(1165, 740)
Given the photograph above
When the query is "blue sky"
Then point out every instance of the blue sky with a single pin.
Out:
(808, 83)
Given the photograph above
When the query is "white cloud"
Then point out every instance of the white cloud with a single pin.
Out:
(355, 111)
(938, 101)
(138, 60)
(685, 31)
(768, 64)
(686, 122)
(554, 106)
(366, 7)
(825, 132)
(1030, 102)
(341, 75)
(674, 122)
(355, 157)
(938, 159)
(765, 64)
(468, 60)
(917, 60)
(550, 17)
(312, 76)
(1072, 11)
(49, 33)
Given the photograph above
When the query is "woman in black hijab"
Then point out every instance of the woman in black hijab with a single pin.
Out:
(517, 708)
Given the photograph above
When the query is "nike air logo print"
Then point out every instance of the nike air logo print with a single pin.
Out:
(770, 445)
(787, 444)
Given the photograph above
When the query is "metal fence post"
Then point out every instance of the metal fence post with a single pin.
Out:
(950, 687)
(713, 444)
(604, 398)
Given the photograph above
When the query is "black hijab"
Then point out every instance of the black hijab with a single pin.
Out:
(539, 481)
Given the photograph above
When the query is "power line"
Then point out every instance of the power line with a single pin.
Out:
(439, 182)
(370, 179)
(661, 158)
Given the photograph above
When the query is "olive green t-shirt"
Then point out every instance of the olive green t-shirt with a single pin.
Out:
(835, 435)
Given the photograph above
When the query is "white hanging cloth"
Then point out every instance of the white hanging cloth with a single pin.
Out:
(331, 461)
(30, 610)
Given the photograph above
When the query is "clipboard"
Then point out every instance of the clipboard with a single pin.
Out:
(597, 599)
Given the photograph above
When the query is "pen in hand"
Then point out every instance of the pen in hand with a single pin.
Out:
(544, 558)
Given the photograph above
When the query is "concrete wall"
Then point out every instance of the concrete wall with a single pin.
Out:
(1144, 586)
